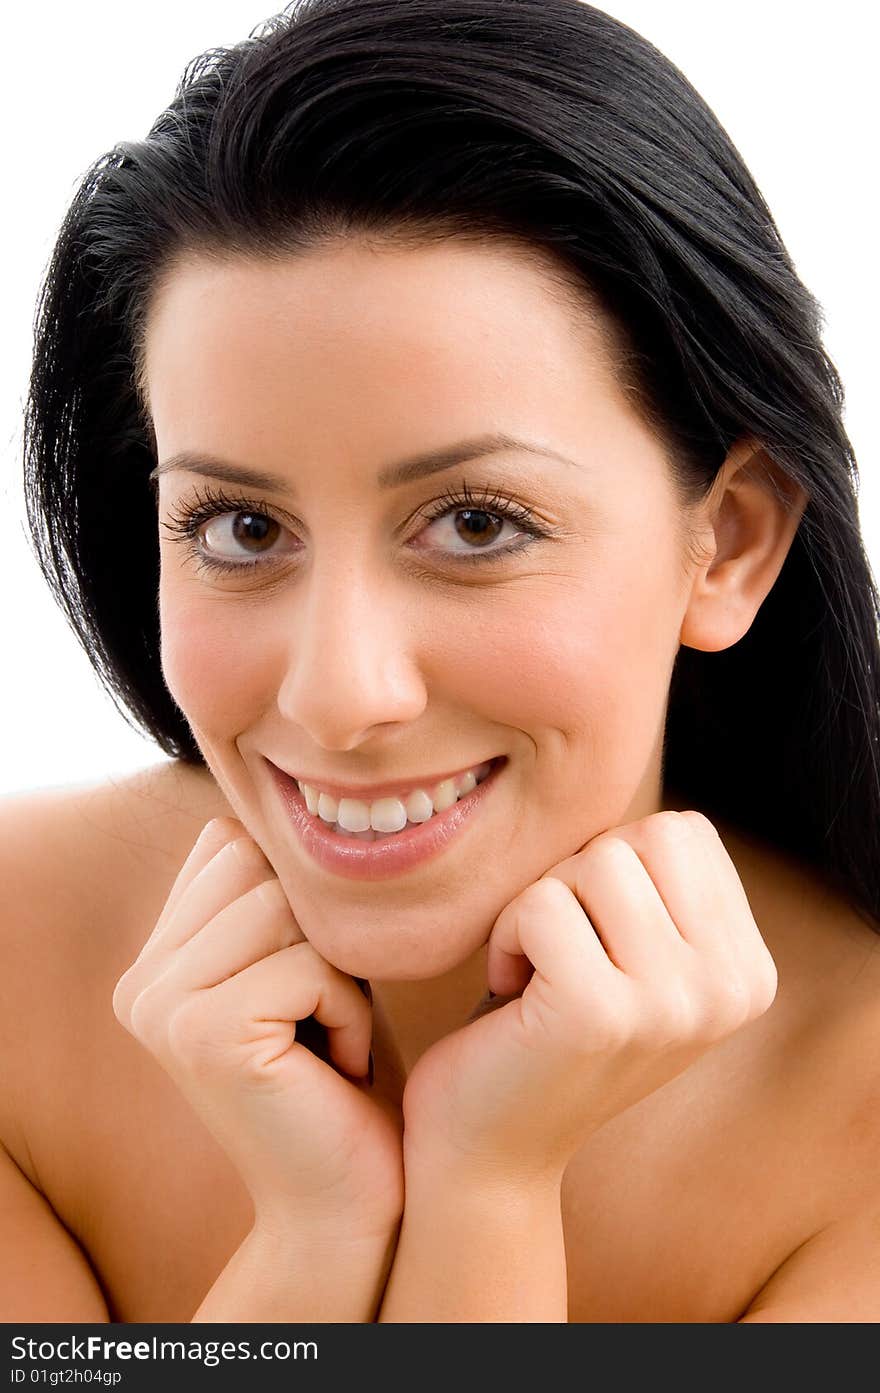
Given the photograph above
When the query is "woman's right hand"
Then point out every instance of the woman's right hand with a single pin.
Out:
(215, 995)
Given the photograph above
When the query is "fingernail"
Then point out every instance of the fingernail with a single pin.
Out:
(271, 892)
(371, 1072)
(242, 847)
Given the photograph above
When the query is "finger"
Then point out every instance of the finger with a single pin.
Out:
(732, 891)
(682, 855)
(264, 1003)
(212, 838)
(235, 868)
(255, 925)
(622, 904)
(218, 930)
(546, 925)
(748, 950)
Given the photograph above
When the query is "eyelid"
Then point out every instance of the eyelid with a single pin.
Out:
(216, 503)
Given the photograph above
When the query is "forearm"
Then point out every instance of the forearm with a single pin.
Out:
(300, 1277)
(471, 1250)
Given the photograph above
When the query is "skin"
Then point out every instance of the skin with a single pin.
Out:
(295, 660)
(683, 1204)
(355, 657)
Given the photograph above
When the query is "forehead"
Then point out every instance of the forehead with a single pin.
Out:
(449, 319)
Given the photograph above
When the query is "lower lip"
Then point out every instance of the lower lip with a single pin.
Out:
(347, 856)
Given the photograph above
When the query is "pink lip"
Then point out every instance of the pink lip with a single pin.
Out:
(357, 860)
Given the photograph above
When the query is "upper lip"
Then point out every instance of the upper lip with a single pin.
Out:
(367, 792)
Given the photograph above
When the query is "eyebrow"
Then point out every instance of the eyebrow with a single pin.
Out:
(394, 476)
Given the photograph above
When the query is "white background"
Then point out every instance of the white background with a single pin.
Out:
(793, 84)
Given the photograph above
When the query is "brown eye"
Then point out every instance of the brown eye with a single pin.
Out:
(253, 532)
(478, 526)
(224, 533)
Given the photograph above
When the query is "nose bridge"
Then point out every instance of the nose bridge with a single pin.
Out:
(351, 660)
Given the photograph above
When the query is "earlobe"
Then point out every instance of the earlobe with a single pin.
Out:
(752, 514)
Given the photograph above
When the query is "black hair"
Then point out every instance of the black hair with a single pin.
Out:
(553, 126)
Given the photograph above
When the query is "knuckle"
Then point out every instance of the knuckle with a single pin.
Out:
(543, 893)
(698, 821)
(188, 1029)
(136, 1018)
(147, 1011)
(666, 826)
(732, 998)
(606, 846)
(767, 985)
(675, 1015)
(123, 995)
(535, 902)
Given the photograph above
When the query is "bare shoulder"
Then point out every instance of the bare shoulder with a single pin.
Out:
(85, 870)
(95, 836)
(826, 1027)
(826, 1017)
(58, 836)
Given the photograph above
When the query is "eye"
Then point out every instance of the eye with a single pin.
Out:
(216, 523)
(479, 518)
(255, 532)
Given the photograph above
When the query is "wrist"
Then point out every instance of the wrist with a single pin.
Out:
(296, 1227)
(287, 1271)
(433, 1164)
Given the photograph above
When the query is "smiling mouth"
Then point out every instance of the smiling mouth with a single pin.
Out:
(393, 814)
(374, 855)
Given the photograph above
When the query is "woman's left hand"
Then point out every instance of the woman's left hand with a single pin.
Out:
(633, 957)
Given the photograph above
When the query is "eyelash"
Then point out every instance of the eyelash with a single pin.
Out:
(185, 524)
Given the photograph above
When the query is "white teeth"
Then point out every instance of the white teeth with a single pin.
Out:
(445, 795)
(355, 817)
(328, 807)
(387, 815)
(419, 806)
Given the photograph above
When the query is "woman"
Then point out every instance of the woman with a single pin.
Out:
(442, 375)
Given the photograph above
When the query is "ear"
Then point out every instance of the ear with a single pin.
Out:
(745, 525)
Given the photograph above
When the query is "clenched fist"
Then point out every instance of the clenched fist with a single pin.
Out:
(632, 957)
(216, 994)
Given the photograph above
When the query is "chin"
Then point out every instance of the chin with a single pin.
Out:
(392, 945)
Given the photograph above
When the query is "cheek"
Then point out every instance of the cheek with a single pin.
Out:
(588, 657)
(219, 678)
(590, 661)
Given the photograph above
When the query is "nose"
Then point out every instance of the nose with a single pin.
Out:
(351, 662)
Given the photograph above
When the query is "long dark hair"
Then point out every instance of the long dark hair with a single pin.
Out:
(553, 126)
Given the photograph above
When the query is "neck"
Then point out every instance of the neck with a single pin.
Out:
(410, 1016)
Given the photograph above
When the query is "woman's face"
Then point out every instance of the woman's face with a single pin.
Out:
(360, 642)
